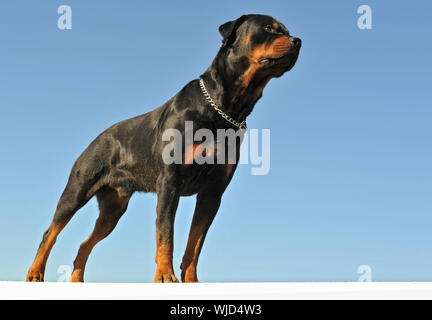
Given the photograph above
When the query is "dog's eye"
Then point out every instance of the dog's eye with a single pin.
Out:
(268, 28)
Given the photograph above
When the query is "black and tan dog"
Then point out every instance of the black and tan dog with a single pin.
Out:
(127, 157)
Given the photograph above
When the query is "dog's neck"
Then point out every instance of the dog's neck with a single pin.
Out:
(224, 83)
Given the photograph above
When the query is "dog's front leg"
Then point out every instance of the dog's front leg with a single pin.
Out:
(167, 202)
(206, 208)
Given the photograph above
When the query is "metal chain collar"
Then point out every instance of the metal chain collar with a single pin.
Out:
(240, 125)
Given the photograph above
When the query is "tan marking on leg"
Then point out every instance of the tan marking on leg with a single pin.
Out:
(36, 271)
(193, 250)
(103, 227)
(164, 256)
(164, 269)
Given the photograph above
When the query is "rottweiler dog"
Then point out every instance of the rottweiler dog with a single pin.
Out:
(128, 156)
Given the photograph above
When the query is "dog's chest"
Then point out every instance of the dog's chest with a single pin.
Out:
(199, 177)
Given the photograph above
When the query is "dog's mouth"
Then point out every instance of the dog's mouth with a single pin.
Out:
(286, 60)
(266, 60)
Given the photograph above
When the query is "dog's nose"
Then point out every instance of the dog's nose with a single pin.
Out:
(296, 42)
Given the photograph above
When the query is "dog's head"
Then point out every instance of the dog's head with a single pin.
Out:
(259, 47)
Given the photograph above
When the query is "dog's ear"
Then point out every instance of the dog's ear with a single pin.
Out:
(228, 30)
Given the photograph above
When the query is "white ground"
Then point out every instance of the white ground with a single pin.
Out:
(217, 291)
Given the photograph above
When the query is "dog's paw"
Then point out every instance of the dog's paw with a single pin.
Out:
(165, 278)
(188, 275)
(77, 275)
(35, 276)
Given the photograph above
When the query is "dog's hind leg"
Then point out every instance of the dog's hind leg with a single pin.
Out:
(72, 199)
(83, 183)
(112, 205)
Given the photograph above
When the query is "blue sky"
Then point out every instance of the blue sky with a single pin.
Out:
(350, 180)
